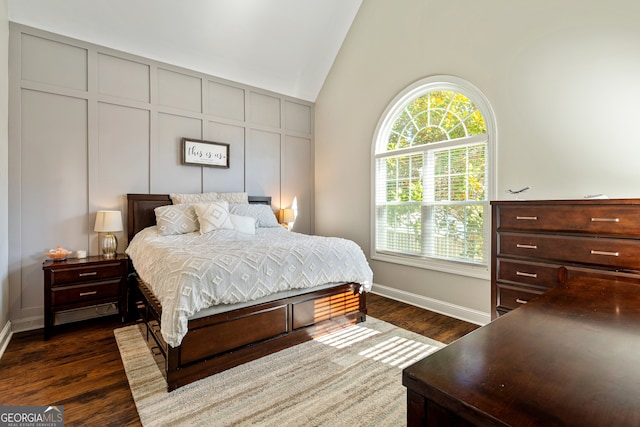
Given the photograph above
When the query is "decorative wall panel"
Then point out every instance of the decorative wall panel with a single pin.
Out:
(226, 101)
(110, 82)
(179, 90)
(54, 63)
(170, 175)
(53, 176)
(121, 130)
(297, 117)
(263, 164)
(299, 184)
(231, 179)
(265, 110)
(88, 125)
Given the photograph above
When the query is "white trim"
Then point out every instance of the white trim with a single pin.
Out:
(452, 267)
(441, 307)
(383, 128)
(5, 337)
(433, 146)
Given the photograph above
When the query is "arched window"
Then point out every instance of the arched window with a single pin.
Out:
(433, 177)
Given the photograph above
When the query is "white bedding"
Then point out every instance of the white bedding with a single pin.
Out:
(190, 272)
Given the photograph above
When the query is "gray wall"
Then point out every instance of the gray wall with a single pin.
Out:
(5, 324)
(89, 125)
(562, 77)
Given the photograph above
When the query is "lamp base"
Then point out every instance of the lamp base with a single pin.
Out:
(109, 245)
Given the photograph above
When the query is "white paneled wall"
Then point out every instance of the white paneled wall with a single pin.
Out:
(89, 124)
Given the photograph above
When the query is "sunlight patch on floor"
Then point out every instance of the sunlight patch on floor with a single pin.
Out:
(346, 337)
(395, 351)
(400, 352)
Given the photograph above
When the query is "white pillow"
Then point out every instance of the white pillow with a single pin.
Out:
(176, 219)
(238, 198)
(262, 213)
(213, 216)
(193, 198)
(244, 224)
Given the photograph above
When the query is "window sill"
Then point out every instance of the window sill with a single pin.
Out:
(478, 271)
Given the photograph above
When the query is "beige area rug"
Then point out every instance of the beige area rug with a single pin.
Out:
(352, 377)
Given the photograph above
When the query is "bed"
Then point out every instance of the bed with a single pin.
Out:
(233, 332)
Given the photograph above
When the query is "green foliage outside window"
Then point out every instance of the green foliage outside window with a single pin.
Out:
(430, 195)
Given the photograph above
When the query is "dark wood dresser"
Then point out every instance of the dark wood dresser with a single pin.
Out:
(569, 358)
(531, 240)
(568, 355)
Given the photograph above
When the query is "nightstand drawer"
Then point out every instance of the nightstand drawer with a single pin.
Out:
(79, 294)
(87, 273)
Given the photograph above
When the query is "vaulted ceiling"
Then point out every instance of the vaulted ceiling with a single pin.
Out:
(286, 46)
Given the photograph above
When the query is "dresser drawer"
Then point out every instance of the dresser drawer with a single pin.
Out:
(79, 294)
(85, 273)
(613, 220)
(607, 252)
(529, 273)
(512, 297)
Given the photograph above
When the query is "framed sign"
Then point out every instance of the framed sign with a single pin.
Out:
(205, 153)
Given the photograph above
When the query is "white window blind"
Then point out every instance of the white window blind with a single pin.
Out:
(431, 179)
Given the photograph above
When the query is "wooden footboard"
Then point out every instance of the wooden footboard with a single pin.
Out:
(221, 341)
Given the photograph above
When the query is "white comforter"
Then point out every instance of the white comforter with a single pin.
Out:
(190, 272)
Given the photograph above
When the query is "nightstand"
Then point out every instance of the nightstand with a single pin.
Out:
(83, 282)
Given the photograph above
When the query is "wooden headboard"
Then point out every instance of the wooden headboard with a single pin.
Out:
(140, 214)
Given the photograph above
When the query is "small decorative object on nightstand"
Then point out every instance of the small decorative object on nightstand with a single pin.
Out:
(83, 282)
(287, 216)
(108, 222)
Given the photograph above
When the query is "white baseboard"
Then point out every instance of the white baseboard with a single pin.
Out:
(5, 337)
(441, 307)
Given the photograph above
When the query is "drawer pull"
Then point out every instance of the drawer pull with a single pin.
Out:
(519, 245)
(525, 274)
(527, 218)
(84, 294)
(605, 253)
(605, 219)
(521, 301)
(92, 273)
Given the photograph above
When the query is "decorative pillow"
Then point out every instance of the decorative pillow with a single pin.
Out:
(213, 216)
(237, 198)
(263, 214)
(178, 199)
(176, 219)
(244, 224)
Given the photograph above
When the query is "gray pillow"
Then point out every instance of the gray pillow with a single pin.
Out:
(213, 216)
(193, 198)
(176, 219)
(237, 198)
(263, 214)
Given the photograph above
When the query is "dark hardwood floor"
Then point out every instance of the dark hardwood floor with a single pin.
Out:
(80, 366)
(424, 322)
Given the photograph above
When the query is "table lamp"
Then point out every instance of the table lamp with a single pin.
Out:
(108, 222)
(287, 216)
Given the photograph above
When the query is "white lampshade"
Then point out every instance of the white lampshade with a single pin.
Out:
(108, 221)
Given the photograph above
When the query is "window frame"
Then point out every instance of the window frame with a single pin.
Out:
(380, 139)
